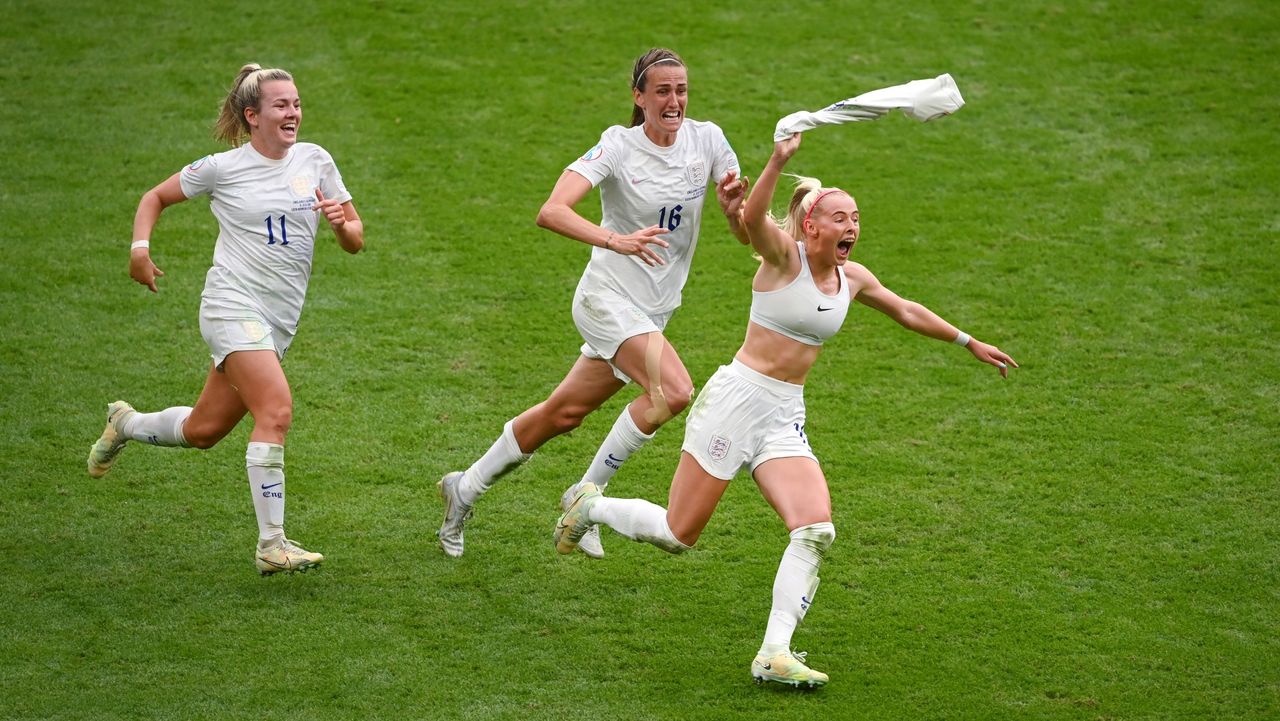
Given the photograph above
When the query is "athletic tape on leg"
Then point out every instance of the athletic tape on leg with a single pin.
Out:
(660, 412)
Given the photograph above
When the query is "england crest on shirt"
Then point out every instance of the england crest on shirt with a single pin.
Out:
(697, 174)
(301, 185)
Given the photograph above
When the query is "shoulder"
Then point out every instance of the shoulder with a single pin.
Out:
(311, 150)
(859, 277)
(618, 135)
(704, 132)
(701, 127)
(614, 141)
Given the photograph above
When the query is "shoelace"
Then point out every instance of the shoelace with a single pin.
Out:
(799, 655)
(289, 546)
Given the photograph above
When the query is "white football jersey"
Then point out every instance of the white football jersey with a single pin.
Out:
(266, 224)
(642, 184)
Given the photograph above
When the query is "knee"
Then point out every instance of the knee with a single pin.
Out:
(275, 418)
(675, 397)
(818, 536)
(564, 418)
(678, 395)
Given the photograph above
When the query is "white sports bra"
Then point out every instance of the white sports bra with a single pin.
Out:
(800, 311)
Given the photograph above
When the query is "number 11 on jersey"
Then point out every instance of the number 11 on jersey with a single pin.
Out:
(271, 236)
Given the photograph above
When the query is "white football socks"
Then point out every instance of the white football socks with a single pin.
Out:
(265, 463)
(503, 457)
(623, 440)
(159, 429)
(638, 520)
(795, 584)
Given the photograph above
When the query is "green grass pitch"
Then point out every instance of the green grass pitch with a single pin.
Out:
(1094, 538)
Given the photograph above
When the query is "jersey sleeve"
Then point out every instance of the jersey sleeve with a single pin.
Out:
(601, 160)
(723, 159)
(331, 180)
(199, 177)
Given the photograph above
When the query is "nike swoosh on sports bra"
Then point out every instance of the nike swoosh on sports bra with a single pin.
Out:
(800, 311)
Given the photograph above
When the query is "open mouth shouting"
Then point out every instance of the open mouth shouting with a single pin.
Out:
(844, 247)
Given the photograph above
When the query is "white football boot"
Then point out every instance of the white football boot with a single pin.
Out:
(787, 667)
(456, 514)
(105, 450)
(590, 541)
(280, 554)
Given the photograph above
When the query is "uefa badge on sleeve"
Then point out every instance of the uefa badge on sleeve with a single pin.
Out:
(719, 448)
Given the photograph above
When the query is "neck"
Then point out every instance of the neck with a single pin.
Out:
(268, 150)
(819, 268)
(661, 138)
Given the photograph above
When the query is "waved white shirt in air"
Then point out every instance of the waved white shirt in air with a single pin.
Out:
(642, 184)
(266, 224)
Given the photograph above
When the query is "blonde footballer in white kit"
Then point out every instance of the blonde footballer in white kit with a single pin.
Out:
(751, 415)
(268, 196)
(653, 179)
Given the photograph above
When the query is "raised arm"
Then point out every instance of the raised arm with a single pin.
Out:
(911, 315)
(153, 202)
(732, 192)
(557, 215)
(773, 245)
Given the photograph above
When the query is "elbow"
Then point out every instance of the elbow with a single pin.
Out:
(545, 216)
(908, 318)
(151, 199)
(351, 237)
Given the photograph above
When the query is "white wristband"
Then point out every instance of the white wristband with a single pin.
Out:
(140, 244)
(962, 339)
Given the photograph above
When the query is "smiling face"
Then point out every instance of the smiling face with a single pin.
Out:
(833, 227)
(663, 99)
(273, 125)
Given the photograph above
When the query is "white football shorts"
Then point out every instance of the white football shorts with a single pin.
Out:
(606, 318)
(229, 326)
(743, 418)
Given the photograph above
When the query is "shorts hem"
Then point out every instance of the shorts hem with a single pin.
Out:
(707, 468)
(756, 462)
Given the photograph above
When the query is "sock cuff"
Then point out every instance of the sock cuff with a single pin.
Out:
(629, 426)
(509, 437)
(673, 544)
(819, 535)
(267, 455)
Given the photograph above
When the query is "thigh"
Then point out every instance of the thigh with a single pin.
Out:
(797, 490)
(693, 498)
(585, 388)
(589, 383)
(650, 358)
(259, 380)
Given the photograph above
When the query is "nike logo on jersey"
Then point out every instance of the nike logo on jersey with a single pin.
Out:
(637, 181)
(821, 309)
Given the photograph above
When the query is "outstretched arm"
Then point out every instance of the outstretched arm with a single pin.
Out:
(914, 316)
(153, 202)
(773, 245)
(558, 215)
